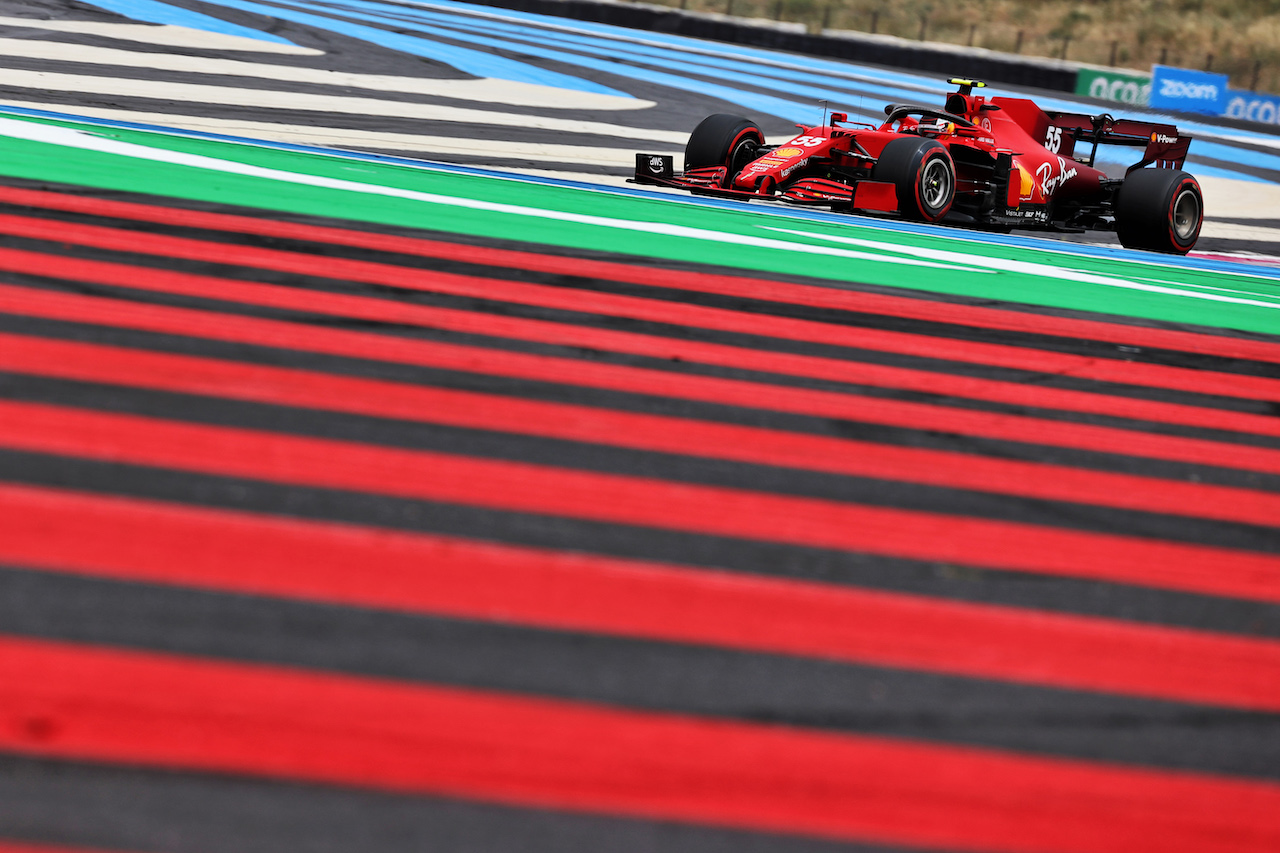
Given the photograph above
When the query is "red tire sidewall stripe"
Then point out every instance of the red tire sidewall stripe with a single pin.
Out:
(733, 146)
(919, 187)
(1173, 200)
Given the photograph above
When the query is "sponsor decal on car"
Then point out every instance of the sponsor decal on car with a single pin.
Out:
(794, 166)
(1053, 139)
(788, 152)
(1049, 181)
(1037, 214)
(1027, 184)
(1162, 139)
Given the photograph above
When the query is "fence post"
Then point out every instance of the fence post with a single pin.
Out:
(1257, 73)
(1114, 47)
(875, 20)
(1017, 46)
(924, 25)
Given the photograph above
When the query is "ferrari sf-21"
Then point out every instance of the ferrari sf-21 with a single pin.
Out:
(997, 164)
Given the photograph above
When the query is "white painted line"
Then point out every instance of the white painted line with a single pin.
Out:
(166, 35)
(483, 90)
(1266, 141)
(1209, 287)
(340, 138)
(269, 99)
(598, 181)
(68, 137)
(1033, 269)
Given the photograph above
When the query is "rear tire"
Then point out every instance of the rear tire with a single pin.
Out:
(924, 175)
(1159, 210)
(723, 140)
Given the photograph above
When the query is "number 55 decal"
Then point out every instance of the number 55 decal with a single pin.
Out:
(1053, 139)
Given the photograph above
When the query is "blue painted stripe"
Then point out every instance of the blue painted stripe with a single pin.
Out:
(724, 67)
(1204, 170)
(1231, 154)
(474, 62)
(685, 43)
(755, 101)
(153, 12)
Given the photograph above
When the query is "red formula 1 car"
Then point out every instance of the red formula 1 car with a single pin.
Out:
(995, 164)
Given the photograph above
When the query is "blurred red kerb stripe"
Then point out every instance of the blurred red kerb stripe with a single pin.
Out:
(742, 286)
(150, 541)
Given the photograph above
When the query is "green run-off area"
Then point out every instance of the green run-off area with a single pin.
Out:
(762, 238)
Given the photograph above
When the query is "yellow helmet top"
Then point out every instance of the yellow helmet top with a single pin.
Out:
(967, 86)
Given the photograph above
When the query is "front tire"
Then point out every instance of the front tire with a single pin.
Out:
(723, 140)
(922, 172)
(1159, 210)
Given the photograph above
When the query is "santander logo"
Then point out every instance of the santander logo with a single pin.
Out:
(1050, 182)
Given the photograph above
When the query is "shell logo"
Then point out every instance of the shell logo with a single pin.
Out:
(788, 152)
(1028, 182)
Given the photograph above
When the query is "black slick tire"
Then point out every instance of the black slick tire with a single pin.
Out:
(924, 175)
(723, 140)
(1159, 210)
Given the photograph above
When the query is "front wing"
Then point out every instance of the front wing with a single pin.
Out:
(659, 170)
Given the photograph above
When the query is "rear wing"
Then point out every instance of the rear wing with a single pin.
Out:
(1164, 145)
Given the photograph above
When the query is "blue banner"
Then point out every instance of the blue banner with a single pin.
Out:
(1188, 91)
(1253, 106)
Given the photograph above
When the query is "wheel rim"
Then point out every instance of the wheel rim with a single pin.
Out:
(1186, 214)
(935, 184)
(742, 154)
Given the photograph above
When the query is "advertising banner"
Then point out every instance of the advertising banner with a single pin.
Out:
(1131, 89)
(1253, 106)
(1188, 91)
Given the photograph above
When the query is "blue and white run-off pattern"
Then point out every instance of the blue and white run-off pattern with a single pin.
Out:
(488, 87)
